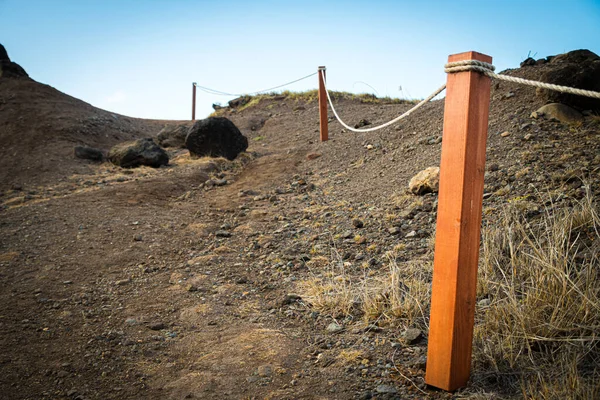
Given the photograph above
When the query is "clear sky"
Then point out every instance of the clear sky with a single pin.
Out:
(140, 57)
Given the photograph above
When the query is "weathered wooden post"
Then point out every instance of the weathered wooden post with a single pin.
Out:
(324, 127)
(456, 256)
(193, 101)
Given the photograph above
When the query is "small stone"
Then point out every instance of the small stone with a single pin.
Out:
(223, 234)
(138, 238)
(505, 134)
(220, 182)
(493, 167)
(312, 156)
(394, 230)
(357, 223)
(361, 123)
(411, 234)
(426, 181)
(528, 136)
(334, 328)
(535, 115)
(123, 282)
(369, 147)
(347, 234)
(265, 371)
(525, 126)
(484, 303)
(412, 335)
(157, 326)
(191, 288)
(386, 389)
(289, 299)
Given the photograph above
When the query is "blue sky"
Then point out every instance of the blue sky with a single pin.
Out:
(139, 58)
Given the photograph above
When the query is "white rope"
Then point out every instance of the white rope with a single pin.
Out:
(220, 93)
(406, 114)
(487, 69)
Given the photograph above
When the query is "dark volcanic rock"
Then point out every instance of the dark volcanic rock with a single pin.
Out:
(9, 69)
(173, 136)
(527, 62)
(3, 54)
(579, 69)
(239, 102)
(88, 153)
(139, 152)
(215, 137)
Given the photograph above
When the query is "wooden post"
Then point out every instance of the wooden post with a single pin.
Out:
(324, 125)
(460, 200)
(194, 101)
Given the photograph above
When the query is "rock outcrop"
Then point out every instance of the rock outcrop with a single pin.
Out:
(579, 69)
(9, 69)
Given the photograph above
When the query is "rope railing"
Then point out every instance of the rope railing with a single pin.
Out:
(461, 66)
(375, 128)
(488, 70)
(221, 93)
(400, 117)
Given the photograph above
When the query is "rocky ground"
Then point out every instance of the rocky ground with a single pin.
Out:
(189, 281)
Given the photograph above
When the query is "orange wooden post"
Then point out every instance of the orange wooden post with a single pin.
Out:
(456, 256)
(324, 124)
(194, 101)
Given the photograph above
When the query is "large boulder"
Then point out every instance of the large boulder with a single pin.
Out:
(426, 181)
(579, 69)
(9, 69)
(137, 153)
(173, 136)
(215, 137)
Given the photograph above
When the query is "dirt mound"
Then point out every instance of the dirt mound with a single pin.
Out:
(41, 126)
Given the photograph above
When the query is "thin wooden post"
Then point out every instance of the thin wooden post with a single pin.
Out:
(460, 200)
(324, 124)
(194, 101)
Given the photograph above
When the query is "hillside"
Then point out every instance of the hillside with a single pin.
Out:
(305, 273)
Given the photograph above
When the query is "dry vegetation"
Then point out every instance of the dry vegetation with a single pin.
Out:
(538, 320)
(540, 330)
(310, 96)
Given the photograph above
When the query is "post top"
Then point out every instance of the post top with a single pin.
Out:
(322, 68)
(470, 55)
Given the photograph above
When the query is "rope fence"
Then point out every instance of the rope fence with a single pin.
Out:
(462, 66)
(453, 67)
(220, 93)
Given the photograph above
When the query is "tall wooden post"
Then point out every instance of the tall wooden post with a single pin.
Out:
(194, 101)
(324, 125)
(458, 226)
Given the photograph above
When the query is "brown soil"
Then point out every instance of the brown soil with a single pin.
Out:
(147, 283)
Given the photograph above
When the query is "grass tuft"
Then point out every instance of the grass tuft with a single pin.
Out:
(540, 333)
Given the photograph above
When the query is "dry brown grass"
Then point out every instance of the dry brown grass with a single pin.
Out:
(541, 332)
(399, 294)
(538, 338)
